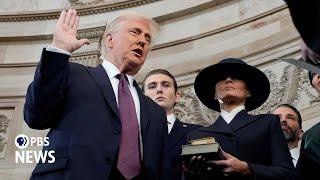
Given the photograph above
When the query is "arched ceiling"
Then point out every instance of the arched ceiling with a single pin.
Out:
(32, 10)
(34, 6)
(13, 6)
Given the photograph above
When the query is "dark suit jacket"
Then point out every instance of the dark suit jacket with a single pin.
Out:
(177, 137)
(306, 18)
(78, 104)
(257, 140)
(308, 165)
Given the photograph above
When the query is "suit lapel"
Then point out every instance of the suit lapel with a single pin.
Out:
(101, 78)
(144, 113)
(178, 132)
(241, 120)
(219, 126)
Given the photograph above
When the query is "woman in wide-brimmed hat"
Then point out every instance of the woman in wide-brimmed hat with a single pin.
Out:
(253, 146)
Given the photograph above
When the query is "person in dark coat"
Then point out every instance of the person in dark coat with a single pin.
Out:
(161, 87)
(291, 124)
(101, 124)
(306, 17)
(309, 162)
(253, 146)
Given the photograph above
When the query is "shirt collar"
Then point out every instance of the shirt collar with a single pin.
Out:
(112, 71)
(171, 119)
(295, 153)
(228, 116)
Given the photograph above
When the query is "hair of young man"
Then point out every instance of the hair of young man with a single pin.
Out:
(160, 71)
(114, 26)
(293, 109)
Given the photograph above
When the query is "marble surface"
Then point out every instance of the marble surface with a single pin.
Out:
(16, 6)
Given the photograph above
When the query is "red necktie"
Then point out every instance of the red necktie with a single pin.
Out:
(128, 159)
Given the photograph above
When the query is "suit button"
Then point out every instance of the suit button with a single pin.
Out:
(108, 161)
(116, 131)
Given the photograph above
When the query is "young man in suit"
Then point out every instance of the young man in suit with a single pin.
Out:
(253, 146)
(291, 124)
(162, 88)
(101, 124)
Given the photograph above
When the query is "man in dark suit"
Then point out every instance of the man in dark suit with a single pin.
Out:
(306, 17)
(162, 88)
(291, 124)
(253, 145)
(101, 124)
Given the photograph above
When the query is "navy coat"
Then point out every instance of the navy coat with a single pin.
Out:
(177, 137)
(78, 104)
(257, 140)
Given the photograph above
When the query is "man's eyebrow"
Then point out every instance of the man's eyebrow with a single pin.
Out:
(292, 115)
(137, 29)
(151, 83)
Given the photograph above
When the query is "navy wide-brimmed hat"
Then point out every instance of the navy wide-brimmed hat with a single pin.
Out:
(256, 81)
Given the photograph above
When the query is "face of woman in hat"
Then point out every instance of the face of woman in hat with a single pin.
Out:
(232, 91)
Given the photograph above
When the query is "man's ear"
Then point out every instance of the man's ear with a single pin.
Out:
(300, 134)
(248, 93)
(177, 96)
(109, 41)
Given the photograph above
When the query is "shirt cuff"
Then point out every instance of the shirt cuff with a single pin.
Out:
(57, 50)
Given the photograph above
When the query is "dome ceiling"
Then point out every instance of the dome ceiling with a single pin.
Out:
(13, 7)
(22, 10)
(33, 5)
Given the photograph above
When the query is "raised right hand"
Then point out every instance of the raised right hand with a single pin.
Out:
(65, 34)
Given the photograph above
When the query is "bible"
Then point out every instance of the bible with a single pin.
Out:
(206, 147)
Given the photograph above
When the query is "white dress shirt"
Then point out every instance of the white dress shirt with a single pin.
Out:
(295, 153)
(228, 116)
(57, 50)
(171, 119)
(112, 72)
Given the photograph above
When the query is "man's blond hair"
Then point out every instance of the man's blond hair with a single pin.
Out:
(114, 26)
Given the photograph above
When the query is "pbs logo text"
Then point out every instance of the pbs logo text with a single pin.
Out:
(26, 156)
(22, 141)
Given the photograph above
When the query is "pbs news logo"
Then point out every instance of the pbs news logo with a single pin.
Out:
(30, 156)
